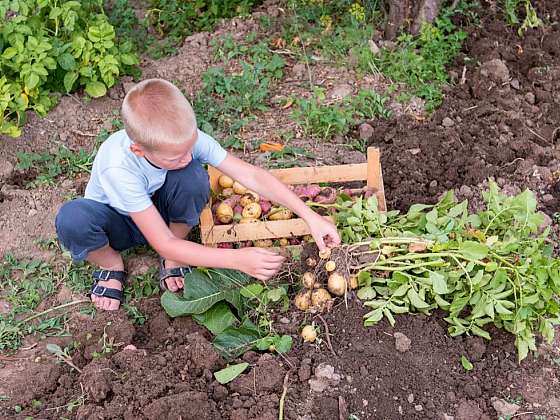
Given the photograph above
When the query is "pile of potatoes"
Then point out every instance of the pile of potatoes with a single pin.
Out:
(314, 297)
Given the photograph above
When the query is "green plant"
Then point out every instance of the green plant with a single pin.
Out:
(420, 62)
(51, 46)
(62, 355)
(288, 157)
(488, 267)
(209, 296)
(320, 118)
(531, 19)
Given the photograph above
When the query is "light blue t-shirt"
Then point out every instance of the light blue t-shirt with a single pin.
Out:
(126, 182)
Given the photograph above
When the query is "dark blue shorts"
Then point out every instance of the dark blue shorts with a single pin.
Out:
(84, 225)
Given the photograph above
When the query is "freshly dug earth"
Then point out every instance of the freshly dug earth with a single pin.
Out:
(502, 122)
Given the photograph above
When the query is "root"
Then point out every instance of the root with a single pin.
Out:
(327, 335)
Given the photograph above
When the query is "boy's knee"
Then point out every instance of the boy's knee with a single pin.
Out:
(71, 219)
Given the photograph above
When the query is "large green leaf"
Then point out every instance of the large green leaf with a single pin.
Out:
(230, 373)
(217, 318)
(203, 289)
(233, 342)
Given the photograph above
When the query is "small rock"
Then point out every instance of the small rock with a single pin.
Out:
(327, 372)
(447, 417)
(450, 395)
(515, 84)
(402, 342)
(284, 320)
(401, 412)
(433, 184)
(341, 91)
(495, 70)
(366, 131)
(548, 198)
(317, 385)
(373, 47)
(504, 408)
(466, 191)
(418, 407)
(410, 398)
(448, 122)
(363, 371)
(67, 183)
(414, 151)
(6, 169)
(299, 71)
(530, 98)
(32, 212)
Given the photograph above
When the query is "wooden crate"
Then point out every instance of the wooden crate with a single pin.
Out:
(369, 172)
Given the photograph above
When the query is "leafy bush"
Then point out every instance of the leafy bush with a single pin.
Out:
(54, 46)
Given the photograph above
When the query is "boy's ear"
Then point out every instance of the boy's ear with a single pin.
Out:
(137, 149)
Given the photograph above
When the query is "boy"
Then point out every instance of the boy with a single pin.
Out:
(148, 185)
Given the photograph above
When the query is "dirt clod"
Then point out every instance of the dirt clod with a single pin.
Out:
(504, 408)
(402, 342)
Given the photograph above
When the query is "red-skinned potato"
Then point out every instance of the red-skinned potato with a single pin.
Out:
(307, 192)
(326, 196)
(232, 201)
(225, 245)
(265, 206)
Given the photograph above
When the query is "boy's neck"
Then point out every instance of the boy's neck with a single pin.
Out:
(155, 166)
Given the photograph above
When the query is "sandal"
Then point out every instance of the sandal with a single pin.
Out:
(165, 273)
(108, 292)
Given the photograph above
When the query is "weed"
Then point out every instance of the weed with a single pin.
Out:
(107, 343)
(323, 119)
(63, 355)
(531, 19)
(288, 157)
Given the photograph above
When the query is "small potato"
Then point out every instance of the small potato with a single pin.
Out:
(319, 298)
(238, 188)
(308, 280)
(303, 300)
(337, 284)
(248, 198)
(330, 266)
(224, 212)
(252, 210)
(325, 254)
(309, 334)
(227, 192)
(311, 262)
(283, 242)
(280, 213)
(225, 181)
(353, 282)
(263, 243)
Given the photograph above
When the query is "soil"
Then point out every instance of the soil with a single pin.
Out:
(499, 120)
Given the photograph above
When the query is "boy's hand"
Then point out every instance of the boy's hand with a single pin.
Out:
(259, 262)
(323, 231)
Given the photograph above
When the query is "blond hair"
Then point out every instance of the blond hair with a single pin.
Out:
(156, 113)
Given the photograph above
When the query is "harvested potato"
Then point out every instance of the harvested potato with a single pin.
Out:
(330, 266)
(225, 181)
(303, 300)
(238, 188)
(283, 242)
(252, 210)
(336, 284)
(309, 334)
(319, 298)
(325, 254)
(227, 192)
(311, 262)
(280, 213)
(263, 243)
(248, 198)
(265, 206)
(224, 212)
(308, 280)
(353, 282)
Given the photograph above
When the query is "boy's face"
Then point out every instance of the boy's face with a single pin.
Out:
(170, 157)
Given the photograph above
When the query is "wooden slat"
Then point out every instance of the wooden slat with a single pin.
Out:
(374, 177)
(254, 231)
(315, 174)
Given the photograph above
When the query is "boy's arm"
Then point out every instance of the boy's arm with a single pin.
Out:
(264, 183)
(257, 262)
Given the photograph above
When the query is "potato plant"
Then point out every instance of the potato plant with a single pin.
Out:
(54, 46)
(489, 267)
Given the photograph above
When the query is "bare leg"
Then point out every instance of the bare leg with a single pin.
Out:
(106, 258)
(180, 230)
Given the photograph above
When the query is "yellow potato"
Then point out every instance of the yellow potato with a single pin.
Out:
(280, 213)
(263, 243)
(248, 198)
(283, 242)
(252, 210)
(227, 192)
(224, 212)
(225, 181)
